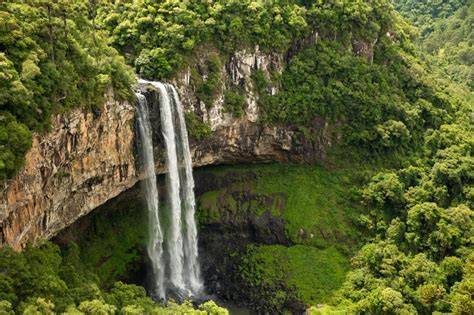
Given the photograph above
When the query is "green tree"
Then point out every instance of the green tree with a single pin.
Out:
(462, 292)
(123, 295)
(385, 191)
(97, 307)
(6, 308)
(39, 306)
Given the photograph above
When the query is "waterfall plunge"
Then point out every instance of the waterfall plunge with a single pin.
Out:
(178, 251)
(155, 242)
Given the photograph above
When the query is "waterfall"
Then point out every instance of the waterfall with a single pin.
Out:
(191, 267)
(155, 242)
(177, 252)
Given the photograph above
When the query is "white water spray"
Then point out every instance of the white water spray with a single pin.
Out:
(181, 250)
(155, 242)
(174, 239)
(191, 267)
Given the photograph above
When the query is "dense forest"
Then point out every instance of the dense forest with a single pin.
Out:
(53, 58)
(395, 78)
(445, 35)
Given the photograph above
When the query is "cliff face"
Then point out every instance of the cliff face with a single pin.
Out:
(88, 159)
(84, 161)
(246, 139)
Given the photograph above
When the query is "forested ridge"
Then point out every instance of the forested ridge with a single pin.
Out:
(394, 79)
(420, 216)
(52, 58)
(423, 14)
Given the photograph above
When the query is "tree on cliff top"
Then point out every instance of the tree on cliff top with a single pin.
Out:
(51, 59)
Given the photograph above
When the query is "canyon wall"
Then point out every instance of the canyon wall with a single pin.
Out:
(84, 160)
(87, 159)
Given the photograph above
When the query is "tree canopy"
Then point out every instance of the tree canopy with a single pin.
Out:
(52, 58)
(44, 280)
(396, 96)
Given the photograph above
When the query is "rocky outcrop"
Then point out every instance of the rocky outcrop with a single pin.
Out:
(87, 158)
(236, 71)
(247, 139)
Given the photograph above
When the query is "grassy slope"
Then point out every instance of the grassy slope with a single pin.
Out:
(319, 214)
(314, 274)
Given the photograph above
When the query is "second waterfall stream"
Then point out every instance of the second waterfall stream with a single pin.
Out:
(172, 245)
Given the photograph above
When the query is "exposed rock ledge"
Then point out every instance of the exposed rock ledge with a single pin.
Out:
(84, 161)
(89, 159)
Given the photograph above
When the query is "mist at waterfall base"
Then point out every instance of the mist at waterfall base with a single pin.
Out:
(172, 246)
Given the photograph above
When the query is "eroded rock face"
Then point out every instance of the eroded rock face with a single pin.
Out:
(246, 139)
(84, 161)
(89, 159)
(235, 71)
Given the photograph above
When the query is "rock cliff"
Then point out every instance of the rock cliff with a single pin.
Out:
(89, 158)
(84, 160)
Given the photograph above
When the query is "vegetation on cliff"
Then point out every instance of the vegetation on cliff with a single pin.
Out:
(379, 107)
(363, 72)
(356, 65)
(157, 37)
(304, 260)
(52, 58)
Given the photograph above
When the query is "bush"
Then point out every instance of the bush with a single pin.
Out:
(197, 129)
(234, 102)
